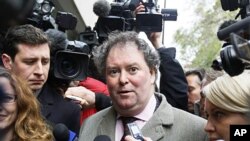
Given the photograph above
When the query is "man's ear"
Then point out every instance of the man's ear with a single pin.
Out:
(154, 75)
(7, 61)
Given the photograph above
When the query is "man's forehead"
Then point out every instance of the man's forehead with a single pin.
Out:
(26, 47)
(33, 51)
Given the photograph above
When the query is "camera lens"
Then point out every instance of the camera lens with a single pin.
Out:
(69, 67)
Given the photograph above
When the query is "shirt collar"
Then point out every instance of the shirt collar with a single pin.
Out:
(148, 111)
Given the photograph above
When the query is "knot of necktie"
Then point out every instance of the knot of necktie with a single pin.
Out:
(125, 121)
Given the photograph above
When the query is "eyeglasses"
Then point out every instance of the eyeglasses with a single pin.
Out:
(9, 98)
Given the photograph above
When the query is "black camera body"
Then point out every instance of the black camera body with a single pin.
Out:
(154, 20)
(232, 5)
(89, 37)
(72, 62)
(151, 20)
(41, 14)
(119, 17)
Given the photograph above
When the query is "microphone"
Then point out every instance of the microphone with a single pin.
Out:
(101, 8)
(224, 33)
(102, 138)
(62, 133)
(58, 40)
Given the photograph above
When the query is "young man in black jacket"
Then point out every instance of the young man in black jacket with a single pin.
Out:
(26, 52)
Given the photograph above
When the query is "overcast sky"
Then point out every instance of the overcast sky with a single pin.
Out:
(184, 19)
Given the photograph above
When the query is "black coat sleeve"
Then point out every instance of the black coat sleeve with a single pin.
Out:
(102, 101)
(173, 83)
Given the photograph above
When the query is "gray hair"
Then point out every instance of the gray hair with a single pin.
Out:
(230, 93)
(101, 52)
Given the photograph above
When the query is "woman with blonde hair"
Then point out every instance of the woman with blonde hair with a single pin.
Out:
(20, 117)
(227, 103)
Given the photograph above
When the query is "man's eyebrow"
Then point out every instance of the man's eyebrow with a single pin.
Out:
(111, 67)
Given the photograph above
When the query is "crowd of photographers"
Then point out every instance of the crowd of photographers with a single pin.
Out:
(95, 91)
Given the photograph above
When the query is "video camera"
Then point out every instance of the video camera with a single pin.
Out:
(69, 60)
(41, 17)
(89, 37)
(41, 14)
(72, 62)
(112, 16)
(235, 56)
(119, 16)
(151, 20)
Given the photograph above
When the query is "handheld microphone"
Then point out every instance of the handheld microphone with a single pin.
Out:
(102, 138)
(62, 133)
(101, 8)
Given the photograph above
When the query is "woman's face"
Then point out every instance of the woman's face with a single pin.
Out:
(8, 107)
(219, 121)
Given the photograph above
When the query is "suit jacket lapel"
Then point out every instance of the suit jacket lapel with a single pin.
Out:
(107, 125)
(154, 127)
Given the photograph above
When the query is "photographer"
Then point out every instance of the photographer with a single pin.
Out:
(173, 83)
(93, 94)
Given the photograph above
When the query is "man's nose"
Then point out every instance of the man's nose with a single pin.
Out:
(39, 68)
(123, 78)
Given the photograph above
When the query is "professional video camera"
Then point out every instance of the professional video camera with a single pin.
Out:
(41, 14)
(72, 63)
(151, 20)
(235, 56)
(119, 16)
(89, 37)
(41, 17)
(112, 16)
(69, 60)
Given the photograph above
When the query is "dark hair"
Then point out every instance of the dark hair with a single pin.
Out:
(58, 42)
(198, 72)
(22, 34)
(226, 24)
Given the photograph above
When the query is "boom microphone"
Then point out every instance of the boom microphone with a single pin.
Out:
(102, 138)
(101, 8)
(224, 33)
(62, 133)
